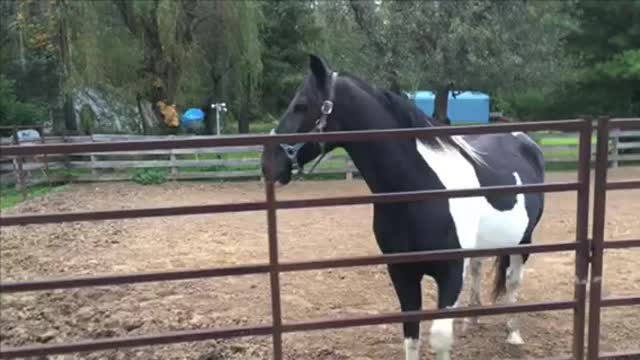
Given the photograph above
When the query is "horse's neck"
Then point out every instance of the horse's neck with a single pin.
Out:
(391, 166)
(387, 165)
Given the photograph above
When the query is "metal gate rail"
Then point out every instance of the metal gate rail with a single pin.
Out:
(582, 246)
(601, 186)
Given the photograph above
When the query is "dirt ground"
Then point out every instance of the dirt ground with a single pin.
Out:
(108, 247)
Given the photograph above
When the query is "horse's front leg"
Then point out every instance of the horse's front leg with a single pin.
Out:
(406, 282)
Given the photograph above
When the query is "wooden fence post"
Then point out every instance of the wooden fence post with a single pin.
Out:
(615, 134)
(18, 163)
(93, 160)
(94, 171)
(20, 178)
(172, 162)
(349, 175)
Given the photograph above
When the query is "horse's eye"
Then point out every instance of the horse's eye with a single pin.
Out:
(300, 107)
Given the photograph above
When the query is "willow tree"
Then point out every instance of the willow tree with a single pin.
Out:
(289, 31)
(353, 52)
(165, 28)
(35, 57)
(228, 53)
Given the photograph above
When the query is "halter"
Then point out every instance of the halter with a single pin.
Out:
(326, 109)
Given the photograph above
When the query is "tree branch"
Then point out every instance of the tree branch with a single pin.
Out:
(128, 15)
(189, 18)
(364, 16)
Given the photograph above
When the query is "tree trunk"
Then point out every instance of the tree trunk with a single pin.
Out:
(442, 105)
(70, 124)
(243, 121)
(21, 49)
(370, 23)
(146, 115)
(160, 71)
(64, 43)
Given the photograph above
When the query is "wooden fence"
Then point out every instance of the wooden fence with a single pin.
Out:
(233, 162)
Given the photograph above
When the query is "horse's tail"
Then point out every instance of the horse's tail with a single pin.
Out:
(500, 280)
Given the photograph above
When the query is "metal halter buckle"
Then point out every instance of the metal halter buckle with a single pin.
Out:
(327, 107)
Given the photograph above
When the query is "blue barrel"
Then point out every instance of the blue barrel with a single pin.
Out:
(469, 107)
(193, 119)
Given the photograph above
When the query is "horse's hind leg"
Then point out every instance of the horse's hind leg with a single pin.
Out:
(513, 282)
(406, 282)
(476, 281)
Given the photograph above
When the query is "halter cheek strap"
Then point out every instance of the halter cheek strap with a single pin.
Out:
(325, 109)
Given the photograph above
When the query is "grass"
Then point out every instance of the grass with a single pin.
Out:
(10, 197)
(561, 141)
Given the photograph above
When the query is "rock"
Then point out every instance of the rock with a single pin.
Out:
(196, 320)
(47, 336)
(132, 325)
(108, 113)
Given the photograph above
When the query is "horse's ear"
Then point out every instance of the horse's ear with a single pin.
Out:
(319, 68)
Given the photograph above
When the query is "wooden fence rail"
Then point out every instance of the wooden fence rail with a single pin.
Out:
(232, 162)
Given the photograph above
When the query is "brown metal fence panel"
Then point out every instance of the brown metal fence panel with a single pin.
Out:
(596, 302)
(271, 205)
(582, 234)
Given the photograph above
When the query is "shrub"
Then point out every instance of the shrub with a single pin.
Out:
(15, 112)
(149, 177)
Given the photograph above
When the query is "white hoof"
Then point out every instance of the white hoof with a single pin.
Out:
(412, 349)
(472, 320)
(515, 338)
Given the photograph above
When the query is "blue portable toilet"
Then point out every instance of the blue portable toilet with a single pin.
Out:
(193, 119)
(469, 107)
(425, 100)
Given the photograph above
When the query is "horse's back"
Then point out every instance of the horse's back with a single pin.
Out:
(507, 153)
(494, 220)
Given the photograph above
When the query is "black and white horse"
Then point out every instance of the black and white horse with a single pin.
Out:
(327, 101)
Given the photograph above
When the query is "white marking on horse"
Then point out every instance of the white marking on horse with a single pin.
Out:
(513, 283)
(412, 349)
(441, 337)
(478, 224)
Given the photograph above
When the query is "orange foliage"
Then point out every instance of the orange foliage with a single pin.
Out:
(170, 114)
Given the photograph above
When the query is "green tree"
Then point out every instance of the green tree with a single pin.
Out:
(31, 60)
(464, 45)
(345, 42)
(288, 33)
(14, 111)
(607, 43)
(226, 58)
(166, 31)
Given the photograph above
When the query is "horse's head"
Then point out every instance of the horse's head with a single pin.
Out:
(310, 110)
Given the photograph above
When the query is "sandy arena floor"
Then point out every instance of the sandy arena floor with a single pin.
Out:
(63, 250)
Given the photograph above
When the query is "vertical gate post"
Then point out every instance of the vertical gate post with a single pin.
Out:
(582, 233)
(276, 312)
(599, 210)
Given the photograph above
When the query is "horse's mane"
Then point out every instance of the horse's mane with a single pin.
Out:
(409, 115)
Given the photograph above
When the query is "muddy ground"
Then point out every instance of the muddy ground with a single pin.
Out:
(108, 247)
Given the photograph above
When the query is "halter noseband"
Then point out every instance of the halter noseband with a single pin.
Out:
(326, 109)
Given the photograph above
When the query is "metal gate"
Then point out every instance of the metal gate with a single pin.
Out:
(589, 253)
(598, 244)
